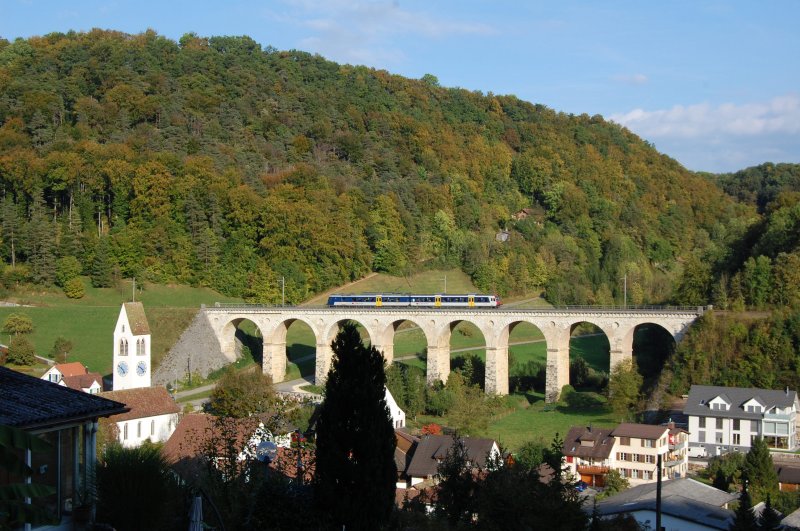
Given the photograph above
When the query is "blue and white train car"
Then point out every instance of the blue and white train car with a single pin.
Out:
(391, 300)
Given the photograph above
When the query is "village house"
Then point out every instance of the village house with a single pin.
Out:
(631, 449)
(67, 420)
(686, 504)
(639, 446)
(152, 415)
(589, 454)
(75, 376)
(724, 419)
(432, 449)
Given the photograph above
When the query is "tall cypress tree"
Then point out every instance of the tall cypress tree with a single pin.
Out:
(355, 470)
(744, 519)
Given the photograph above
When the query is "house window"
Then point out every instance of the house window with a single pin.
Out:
(718, 437)
(634, 474)
(719, 424)
(737, 439)
(625, 441)
(152, 427)
(635, 458)
(125, 431)
(701, 436)
(649, 459)
(736, 424)
(622, 456)
(648, 443)
(647, 475)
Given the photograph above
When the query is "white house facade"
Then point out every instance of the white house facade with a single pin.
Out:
(729, 419)
(132, 344)
(397, 415)
(153, 415)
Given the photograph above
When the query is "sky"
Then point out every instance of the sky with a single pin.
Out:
(714, 84)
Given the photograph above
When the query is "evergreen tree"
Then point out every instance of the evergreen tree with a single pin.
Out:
(102, 266)
(457, 485)
(770, 519)
(759, 470)
(42, 244)
(744, 519)
(355, 470)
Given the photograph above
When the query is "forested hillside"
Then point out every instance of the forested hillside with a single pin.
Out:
(213, 161)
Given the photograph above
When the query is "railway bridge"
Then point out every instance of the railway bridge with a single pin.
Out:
(221, 320)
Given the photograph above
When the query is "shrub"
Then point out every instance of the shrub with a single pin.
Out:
(21, 351)
(74, 288)
(67, 268)
(138, 478)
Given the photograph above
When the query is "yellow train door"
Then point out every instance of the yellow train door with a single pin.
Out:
(378, 301)
(438, 301)
(471, 301)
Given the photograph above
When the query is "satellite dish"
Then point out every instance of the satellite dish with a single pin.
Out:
(266, 451)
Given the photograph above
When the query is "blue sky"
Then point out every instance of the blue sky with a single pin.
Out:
(714, 84)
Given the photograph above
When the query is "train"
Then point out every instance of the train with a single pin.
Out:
(392, 300)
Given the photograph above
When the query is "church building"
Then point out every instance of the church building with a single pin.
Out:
(131, 348)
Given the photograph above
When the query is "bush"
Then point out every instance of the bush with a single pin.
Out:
(67, 268)
(21, 351)
(74, 288)
(137, 490)
(438, 400)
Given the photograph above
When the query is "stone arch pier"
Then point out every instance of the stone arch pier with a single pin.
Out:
(214, 329)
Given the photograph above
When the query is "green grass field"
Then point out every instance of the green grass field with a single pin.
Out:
(89, 322)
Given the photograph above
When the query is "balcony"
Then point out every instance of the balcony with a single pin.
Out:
(679, 445)
(779, 416)
(594, 470)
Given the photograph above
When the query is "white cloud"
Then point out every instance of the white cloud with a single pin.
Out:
(364, 31)
(776, 116)
(725, 137)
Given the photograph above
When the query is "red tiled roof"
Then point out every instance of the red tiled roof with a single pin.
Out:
(83, 381)
(143, 402)
(73, 368)
(195, 430)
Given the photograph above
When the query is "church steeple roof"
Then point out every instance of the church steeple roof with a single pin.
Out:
(137, 319)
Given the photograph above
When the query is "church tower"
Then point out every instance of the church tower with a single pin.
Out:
(131, 348)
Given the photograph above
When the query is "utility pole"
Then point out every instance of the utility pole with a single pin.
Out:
(658, 494)
(283, 291)
(625, 292)
(133, 290)
(445, 284)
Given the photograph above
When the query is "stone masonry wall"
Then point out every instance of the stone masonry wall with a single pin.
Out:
(198, 348)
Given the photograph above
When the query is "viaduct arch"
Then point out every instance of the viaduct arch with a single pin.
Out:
(217, 326)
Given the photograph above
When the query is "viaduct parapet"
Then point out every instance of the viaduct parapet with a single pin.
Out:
(209, 342)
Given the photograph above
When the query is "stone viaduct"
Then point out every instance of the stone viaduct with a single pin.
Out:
(216, 326)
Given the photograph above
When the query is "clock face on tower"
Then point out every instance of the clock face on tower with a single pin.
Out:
(141, 368)
(122, 368)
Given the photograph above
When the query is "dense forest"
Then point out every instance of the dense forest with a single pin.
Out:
(214, 161)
